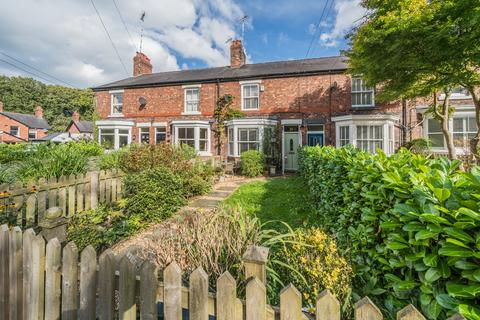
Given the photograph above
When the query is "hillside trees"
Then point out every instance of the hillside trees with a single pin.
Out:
(22, 95)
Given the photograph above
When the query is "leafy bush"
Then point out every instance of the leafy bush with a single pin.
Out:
(318, 266)
(143, 157)
(419, 146)
(154, 194)
(411, 226)
(113, 159)
(101, 227)
(46, 160)
(252, 163)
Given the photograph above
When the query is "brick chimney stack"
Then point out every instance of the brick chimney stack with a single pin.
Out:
(39, 112)
(141, 64)
(237, 54)
(1, 106)
(76, 116)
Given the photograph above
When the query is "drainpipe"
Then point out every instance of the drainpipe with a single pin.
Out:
(404, 121)
(219, 144)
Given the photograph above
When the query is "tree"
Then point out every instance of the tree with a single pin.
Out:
(408, 48)
(22, 95)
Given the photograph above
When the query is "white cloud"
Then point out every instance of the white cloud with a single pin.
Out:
(65, 38)
(348, 14)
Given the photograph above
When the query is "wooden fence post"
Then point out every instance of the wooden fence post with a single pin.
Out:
(70, 282)
(16, 273)
(30, 210)
(4, 266)
(328, 307)
(28, 237)
(127, 309)
(409, 313)
(71, 195)
(172, 292)
(148, 291)
(94, 189)
(290, 303)
(226, 296)
(37, 285)
(106, 285)
(53, 280)
(256, 300)
(88, 283)
(255, 260)
(198, 295)
(365, 309)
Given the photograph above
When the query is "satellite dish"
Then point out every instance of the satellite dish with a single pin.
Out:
(142, 101)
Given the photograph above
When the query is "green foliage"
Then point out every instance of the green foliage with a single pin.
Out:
(101, 227)
(113, 159)
(154, 194)
(252, 163)
(318, 266)
(29, 162)
(224, 112)
(144, 157)
(411, 225)
(24, 94)
(419, 146)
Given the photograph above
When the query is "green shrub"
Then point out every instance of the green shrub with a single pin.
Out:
(410, 224)
(101, 227)
(113, 159)
(154, 194)
(419, 146)
(252, 163)
(318, 265)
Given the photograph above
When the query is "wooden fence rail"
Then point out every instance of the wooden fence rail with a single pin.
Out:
(26, 204)
(42, 281)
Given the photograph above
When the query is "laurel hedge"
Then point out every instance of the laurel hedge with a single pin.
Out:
(409, 225)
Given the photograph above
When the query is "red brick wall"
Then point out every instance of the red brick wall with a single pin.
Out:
(306, 97)
(6, 122)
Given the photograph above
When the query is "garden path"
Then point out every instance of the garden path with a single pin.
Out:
(220, 191)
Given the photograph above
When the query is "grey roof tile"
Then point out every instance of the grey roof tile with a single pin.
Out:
(29, 120)
(269, 69)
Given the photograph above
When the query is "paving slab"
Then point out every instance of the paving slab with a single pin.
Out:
(204, 203)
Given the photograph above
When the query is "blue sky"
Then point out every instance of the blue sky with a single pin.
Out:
(66, 39)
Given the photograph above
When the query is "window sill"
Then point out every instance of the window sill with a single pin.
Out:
(363, 106)
(204, 154)
(191, 113)
(455, 97)
(117, 115)
(250, 109)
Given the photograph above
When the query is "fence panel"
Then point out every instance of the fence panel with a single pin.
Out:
(42, 283)
(26, 205)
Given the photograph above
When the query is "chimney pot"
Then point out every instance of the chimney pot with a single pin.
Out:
(141, 64)
(76, 116)
(237, 54)
(39, 112)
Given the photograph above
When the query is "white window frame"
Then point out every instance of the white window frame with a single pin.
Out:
(18, 131)
(157, 132)
(248, 141)
(185, 100)
(343, 140)
(244, 84)
(116, 126)
(371, 140)
(456, 96)
(367, 90)
(34, 132)
(196, 125)
(140, 129)
(352, 121)
(460, 112)
(112, 105)
(259, 124)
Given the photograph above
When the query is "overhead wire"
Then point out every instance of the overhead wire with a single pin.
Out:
(109, 37)
(125, 25)
(316, 28)
(29, 72)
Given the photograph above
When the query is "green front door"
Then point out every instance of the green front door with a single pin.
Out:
(290, 147)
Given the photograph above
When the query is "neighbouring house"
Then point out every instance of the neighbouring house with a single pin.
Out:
(79, 129)
(18, 127)
(286, 104)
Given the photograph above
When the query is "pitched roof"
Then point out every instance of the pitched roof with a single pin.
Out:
(30, 121)
(269, 69)
(82, 126)
(50, 136)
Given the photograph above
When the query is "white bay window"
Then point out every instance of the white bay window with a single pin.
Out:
(366, 132)
(114, 134)
(196, 134)
(247, 134)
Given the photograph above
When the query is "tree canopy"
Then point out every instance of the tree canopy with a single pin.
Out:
(20, 94)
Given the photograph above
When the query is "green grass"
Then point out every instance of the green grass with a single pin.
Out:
(277, 199)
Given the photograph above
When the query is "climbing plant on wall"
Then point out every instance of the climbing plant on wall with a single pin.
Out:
(224, 111)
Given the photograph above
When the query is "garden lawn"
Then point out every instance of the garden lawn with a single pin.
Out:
(275, 199)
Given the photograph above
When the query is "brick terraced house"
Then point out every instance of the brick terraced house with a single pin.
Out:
(19, 127)
(286, 104)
